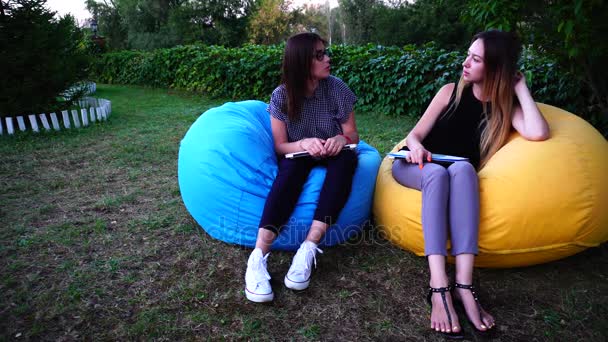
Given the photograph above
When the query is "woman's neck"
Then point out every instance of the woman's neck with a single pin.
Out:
(478, 92)
(311, 86)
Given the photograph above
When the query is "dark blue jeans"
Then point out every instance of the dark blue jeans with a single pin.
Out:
(290, 180)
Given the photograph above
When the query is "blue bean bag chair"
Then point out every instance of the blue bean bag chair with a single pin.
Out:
(227, 165)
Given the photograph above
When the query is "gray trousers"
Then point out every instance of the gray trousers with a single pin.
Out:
(450, 199)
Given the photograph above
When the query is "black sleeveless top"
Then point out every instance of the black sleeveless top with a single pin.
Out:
(458, 132)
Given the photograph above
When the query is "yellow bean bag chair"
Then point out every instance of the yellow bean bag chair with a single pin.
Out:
(540, 201)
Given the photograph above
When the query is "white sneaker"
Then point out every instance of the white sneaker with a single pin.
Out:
(298, 276)
(257, 285)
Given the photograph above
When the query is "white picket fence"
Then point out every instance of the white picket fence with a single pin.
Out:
(88, 87)
(91, 110)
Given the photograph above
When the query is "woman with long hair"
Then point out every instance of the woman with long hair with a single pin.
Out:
(310, 111)
(470, 119)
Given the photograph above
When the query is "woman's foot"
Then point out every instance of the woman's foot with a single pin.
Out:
(480, 318)
(443, 316)
(257, 284)
(298, 276)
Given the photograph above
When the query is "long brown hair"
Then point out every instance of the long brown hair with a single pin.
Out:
(501, 53)
(297, 62)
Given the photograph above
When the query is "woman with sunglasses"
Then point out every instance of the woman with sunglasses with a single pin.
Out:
(310, 111)
(472, 118)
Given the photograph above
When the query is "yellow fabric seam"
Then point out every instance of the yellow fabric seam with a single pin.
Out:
(542, 248)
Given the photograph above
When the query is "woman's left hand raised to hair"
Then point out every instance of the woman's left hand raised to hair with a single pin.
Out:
(520, 83)
(527, 119)
(335, 145)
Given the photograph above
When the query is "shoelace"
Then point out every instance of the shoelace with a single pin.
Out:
(309, 252)
(262, 273)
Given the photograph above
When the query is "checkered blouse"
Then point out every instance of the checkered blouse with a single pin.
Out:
(322, 114)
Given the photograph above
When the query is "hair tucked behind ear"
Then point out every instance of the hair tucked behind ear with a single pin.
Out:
(501, 53)
(297, 61)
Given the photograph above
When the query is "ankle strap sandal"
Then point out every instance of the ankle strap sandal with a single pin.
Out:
(474, 293)
(442, 290)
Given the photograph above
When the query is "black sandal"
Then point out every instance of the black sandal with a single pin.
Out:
(442, 290)
(490, 330)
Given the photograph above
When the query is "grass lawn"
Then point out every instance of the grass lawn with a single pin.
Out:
(95, 243)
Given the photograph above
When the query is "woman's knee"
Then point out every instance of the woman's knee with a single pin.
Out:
(398, 168)
(405, 174)
(434, 173)
(343, 162)
(461, 168)
(350, 157)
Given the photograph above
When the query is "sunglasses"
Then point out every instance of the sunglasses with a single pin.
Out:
(320, 54)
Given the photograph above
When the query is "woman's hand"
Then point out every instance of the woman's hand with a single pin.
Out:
(520, 83)
(335, 145)
(418, 156)
(527, 118)
(439, 103)
(314, 146)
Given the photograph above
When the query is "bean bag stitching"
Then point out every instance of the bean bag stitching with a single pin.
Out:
(540, 248)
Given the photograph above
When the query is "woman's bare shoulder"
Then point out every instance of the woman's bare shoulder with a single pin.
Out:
(444, 94)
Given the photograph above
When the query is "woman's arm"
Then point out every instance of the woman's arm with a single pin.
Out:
(417, 152)
(527, 119)
(349, 136)
(349, 129)
(282, 146)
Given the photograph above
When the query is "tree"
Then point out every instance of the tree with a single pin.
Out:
(229, 20)
(572, 31)
(150, 24)
(432, 20)
(399, 22)
(358, 18)
(41, 57)
(313, 18)
(321, 19)
(270, 23)
(338, 27)
(110, 22)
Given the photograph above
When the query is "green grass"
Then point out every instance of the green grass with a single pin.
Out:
(95, 243)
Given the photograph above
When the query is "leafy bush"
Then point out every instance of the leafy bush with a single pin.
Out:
(396, 80)
(248, 72)
(392, 80)
(40, 56)
(94, 47)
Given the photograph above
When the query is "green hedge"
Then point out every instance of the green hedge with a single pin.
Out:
(387, 79)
